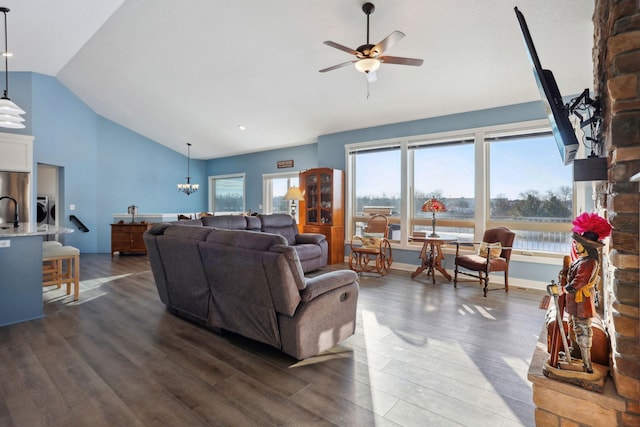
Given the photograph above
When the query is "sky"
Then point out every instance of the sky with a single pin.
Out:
(517, 166)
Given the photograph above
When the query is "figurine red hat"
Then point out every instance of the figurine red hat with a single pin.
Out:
(590, 228)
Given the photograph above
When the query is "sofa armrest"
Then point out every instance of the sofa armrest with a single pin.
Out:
(326, 282)
(310, 238)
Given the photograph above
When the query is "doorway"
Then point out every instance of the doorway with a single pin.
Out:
(49, 196)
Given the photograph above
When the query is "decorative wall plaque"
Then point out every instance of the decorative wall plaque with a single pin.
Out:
(284, 164)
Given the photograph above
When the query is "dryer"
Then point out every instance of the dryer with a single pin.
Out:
(52, 210)
(42, 209)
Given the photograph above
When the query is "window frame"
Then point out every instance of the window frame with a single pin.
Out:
(481, 220)
(212, 185)
(267, 189)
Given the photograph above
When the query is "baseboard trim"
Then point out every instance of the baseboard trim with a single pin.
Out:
(514, 282)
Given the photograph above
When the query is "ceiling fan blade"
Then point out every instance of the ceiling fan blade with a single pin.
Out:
(389, 41)
(341, 47)
(344, 64)
(400, 60)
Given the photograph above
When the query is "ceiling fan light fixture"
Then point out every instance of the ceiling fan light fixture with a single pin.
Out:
(367, 65)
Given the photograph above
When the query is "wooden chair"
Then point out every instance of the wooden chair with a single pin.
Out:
(372, 246)
(54, 270)
(490, 257)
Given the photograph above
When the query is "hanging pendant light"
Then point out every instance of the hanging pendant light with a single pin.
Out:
(188, 188)
(9, 112)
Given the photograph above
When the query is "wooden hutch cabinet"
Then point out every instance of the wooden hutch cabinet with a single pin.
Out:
(127, 238)
(322, 210)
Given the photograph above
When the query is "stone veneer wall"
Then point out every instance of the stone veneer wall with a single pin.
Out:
(616, 56)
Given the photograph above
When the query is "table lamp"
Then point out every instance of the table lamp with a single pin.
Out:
(433, 205)
(293, 194)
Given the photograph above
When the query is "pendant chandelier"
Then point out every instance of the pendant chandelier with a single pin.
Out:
(188, 188)
(9, 112)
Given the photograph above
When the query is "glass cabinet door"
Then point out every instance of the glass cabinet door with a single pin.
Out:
(312, 198)
(323, 200)
(326, 197)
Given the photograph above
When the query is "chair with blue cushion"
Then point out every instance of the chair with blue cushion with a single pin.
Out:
(372, 251)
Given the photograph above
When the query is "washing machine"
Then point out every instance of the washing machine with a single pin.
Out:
(42, 209)
(52, 211)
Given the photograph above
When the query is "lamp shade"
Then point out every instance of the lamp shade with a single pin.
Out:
(433, 205)
(367, 65)
(9, 107)
(293, 193)
(11, 118)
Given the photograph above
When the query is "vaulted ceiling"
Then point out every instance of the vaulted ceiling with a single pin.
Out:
(193, 71)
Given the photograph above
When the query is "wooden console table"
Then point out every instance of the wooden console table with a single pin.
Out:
(127, 238)
(432, 255)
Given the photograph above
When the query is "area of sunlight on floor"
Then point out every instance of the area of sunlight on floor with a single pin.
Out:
(52, 294)
(442, 355)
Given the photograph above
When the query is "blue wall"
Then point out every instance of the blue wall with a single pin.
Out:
(134, 170)
(105, 166)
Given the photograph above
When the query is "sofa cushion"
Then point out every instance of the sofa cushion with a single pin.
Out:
(241, 297)
(308, 251)
(248, 239)
(177, 247)
(253, 223)
(227, 222)
(250, 279)
(282, 224)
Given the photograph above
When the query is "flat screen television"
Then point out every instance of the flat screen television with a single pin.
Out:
(557, 112)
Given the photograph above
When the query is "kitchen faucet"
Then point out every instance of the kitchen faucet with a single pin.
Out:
(15, 209)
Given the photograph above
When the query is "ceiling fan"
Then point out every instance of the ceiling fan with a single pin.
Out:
(369, 56)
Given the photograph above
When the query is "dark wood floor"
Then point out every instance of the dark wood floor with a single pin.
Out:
(422, 355)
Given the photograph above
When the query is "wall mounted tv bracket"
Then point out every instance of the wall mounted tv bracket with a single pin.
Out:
(583, 106)
(594, 167)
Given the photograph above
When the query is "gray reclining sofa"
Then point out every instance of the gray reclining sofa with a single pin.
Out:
(251, 283)
(312, 248)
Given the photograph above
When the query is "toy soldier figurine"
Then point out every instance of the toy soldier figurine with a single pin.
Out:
(588, 231)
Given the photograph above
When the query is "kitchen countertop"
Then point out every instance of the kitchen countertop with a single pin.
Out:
(31, 229)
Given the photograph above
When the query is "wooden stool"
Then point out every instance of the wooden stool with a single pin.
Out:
(50, 243)
(54, 271)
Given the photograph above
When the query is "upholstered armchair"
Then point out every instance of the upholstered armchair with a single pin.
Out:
(494, 254)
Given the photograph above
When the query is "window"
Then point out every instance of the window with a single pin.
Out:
(275, 186)
(227, 193)
(444, 169)
(507, 176)
(530, 191)
(377, 189)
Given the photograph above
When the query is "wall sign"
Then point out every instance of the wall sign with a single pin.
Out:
(284, 164)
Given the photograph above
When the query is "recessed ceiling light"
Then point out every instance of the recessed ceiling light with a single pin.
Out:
(241, 127)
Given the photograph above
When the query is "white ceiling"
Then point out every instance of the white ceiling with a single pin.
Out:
(192, 71)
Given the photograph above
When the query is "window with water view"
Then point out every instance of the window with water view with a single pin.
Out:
(485, 179)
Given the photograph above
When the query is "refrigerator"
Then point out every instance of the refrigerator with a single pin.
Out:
(16, 185)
